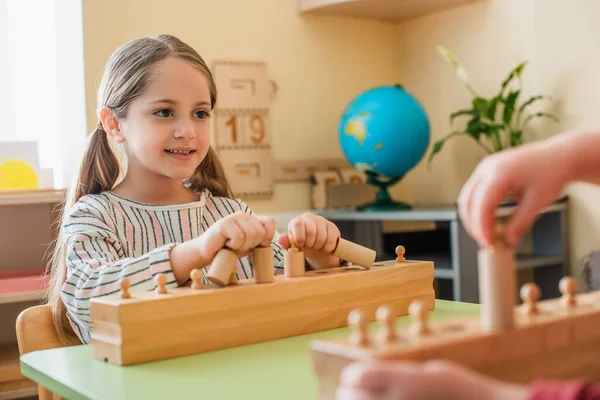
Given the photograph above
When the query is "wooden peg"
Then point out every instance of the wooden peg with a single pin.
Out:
(125, 284)
(358, 323)
(386, 315)
(400, 250)
(233, 280)
(161, 281)
(264, 265)
(293, 261)
(196, 277)
(497, 286)
(530, 294)
(354, 253)
(222, 267)
(418, 313)
(568, 287)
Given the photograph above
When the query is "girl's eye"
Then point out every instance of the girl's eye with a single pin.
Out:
(165, 113)
(202, 114)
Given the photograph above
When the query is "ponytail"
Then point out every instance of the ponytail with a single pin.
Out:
(99, 171)
(211, 175)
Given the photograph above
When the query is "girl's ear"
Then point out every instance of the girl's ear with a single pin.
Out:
(110, 123)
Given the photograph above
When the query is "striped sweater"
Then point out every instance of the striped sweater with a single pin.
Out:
(109, 237)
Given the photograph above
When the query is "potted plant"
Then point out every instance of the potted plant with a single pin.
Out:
(498, 122)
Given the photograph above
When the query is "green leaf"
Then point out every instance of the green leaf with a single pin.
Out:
(480, 104)
(491, 108)
(516, 138)
(439, 145)
(509, 106)
(461, 112)
(474, 128)
(515, 73)
(532, 100)
(539, 114)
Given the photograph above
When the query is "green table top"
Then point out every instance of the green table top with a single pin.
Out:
(278, 369)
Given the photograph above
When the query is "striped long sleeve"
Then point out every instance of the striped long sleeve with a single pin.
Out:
(108, 237)
(96, 261)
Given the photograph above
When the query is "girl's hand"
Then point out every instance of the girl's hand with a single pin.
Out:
(240, 232)
(432, 380)
(316, 237)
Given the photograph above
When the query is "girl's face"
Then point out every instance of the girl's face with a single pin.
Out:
(166, 131)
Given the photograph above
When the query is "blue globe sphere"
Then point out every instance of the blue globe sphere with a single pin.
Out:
(384, 131)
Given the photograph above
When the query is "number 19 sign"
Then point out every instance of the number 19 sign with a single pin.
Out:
(241, 121)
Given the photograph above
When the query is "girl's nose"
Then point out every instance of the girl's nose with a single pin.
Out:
(185, 130)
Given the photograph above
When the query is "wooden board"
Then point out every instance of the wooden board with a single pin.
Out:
(130, 331)
(558, 342)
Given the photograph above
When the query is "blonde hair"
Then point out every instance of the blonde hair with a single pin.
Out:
(125, 77)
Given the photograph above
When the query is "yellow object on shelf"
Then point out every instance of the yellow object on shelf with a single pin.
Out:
(17, 174)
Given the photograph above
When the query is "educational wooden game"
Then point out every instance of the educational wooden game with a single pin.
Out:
(557, 338)
(221, 312)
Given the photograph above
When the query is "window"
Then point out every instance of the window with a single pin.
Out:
(42, 88)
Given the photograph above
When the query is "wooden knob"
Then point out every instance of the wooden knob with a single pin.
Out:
(196, 277)
(400, 250)
(358, 322)
(568, 287)
(125, 284)
(530, 294)
(418, 313)
(499, 234)
(161, 281)
(386, 315)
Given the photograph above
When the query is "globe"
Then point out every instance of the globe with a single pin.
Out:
(384, 132)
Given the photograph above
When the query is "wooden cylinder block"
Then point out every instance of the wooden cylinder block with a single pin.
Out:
(293, 263)
(355, 253)
(221, 267)
(264, 265)
(497, 288)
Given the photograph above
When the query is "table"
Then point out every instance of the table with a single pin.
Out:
(278, 369)
(455, 254)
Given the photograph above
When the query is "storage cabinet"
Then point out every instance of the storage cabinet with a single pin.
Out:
(28, 226)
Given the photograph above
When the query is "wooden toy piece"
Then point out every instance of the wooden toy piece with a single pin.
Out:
(125, 284)
(293, 261)
(222, 267)
(400, 250)
(233, 280)
(196, 277)
(386, 316)
(161, 281)
(354, 253)
(568, 287)
(357, 320)
(497, 283)
(141, 329)
(264, 265)
(530, 294)
(419, 327)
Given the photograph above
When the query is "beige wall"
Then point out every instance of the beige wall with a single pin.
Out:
(319, 63)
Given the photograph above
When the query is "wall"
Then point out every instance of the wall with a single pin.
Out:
(489, 38)
(318, 62)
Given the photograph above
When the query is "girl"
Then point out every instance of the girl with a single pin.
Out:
(535, 174)
(169, 210)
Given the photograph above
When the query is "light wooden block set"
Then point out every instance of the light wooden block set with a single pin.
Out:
(557, 338)
(130, 328)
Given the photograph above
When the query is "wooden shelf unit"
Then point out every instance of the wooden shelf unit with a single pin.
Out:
(386, 10)
(27, 230)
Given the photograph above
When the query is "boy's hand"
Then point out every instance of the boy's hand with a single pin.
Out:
(432, 380)
(316, 237)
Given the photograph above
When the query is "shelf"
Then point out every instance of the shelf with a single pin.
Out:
(37, 196)
(18, 289)
(386, 10)
(525, 261)
(9, 363)
(18, 389)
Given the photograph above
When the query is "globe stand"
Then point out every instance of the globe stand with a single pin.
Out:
(383, 200)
